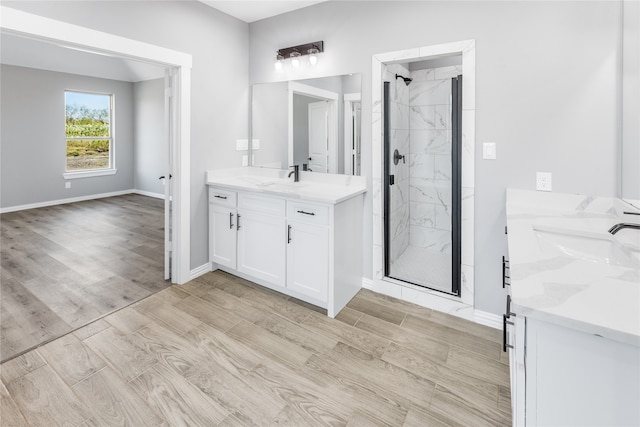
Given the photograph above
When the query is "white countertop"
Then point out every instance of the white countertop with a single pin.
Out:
(567, 269)
(312, 186)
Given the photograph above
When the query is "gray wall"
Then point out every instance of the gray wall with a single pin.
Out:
(150, 148)
(33, 136)
(219, 79)
(545, 92)
(270, 113)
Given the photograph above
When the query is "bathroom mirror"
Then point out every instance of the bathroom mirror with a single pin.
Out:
(630, 149)
(312, 122)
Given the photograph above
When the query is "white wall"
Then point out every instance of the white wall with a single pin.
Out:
(150, 148)
(219, 98)
(33, 136)
(546, 76)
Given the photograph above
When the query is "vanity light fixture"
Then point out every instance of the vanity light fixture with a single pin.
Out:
(294, 54)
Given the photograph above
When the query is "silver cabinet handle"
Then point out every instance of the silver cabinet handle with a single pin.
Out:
(238, 222)
(288, 234)
(220, 197)
(231, 220)
(505, 322)
(306, 213)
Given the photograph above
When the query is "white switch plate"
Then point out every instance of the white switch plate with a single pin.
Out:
(67, 184)
(242, 144)
(543, 181)
(245, 160)
(489, 150)
(255, 144)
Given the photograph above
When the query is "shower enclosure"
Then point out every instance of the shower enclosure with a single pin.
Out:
(422, 174)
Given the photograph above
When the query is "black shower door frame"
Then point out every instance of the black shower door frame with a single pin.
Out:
(456, 189)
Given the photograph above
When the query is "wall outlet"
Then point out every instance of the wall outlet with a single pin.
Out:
(489, 150)
(67, 184)
(242, 144)
(543, 181)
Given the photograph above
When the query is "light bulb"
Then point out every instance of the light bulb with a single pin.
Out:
(295, 59)
(313, 56)
(278, 64)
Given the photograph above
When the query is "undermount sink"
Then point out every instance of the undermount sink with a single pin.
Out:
(587, 246)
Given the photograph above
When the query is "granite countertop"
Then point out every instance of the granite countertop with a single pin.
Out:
(316, 187)
(566, 268)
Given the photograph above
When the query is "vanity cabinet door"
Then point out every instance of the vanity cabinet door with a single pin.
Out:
(222, 232)
(262, 246)
(308, 259)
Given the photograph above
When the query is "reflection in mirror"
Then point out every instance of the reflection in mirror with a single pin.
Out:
(314, 123)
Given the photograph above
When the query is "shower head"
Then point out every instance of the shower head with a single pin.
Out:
(407, 80)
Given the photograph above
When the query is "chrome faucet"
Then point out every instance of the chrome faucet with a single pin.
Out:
(618, 227)
(295, 172)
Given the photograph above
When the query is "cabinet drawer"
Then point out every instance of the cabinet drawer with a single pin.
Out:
(222, 197)
(262, 204)
(306, 212)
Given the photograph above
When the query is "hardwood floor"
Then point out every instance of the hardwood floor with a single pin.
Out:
(64, 266)
(222, 351)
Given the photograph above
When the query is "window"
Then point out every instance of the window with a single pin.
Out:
(89, 131)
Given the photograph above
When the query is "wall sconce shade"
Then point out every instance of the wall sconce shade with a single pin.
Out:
(279, 62)
(295, 52)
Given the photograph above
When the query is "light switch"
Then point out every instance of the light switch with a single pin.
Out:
(245, 160)
(242, 144)
(489, 150)
(255, 144)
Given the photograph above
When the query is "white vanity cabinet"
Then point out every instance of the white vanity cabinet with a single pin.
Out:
(306, 249)
(572, 323)
(564, 377)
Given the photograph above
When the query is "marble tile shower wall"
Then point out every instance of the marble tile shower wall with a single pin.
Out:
(399, 133)
(430, 158)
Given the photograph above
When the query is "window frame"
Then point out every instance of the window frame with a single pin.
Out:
(87, 173)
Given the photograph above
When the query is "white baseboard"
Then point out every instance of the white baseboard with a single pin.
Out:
(64, 201)
(80, 199)
(149, 194)
(488, 319)
(199, 271)
(469, 313)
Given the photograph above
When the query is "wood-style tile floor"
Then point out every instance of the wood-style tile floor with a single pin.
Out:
(222, 351)
(67, 265)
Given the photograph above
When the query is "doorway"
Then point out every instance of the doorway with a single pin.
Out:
(447, 298)
(313, 128)
(422, 105)
(177, 246)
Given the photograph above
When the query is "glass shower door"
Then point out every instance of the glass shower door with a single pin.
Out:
(422, 192)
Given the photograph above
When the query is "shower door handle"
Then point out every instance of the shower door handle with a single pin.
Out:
(397, 157)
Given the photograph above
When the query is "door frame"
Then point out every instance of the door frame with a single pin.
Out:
(349, 100)
(462, 305)
(332, 121)
(23, 24)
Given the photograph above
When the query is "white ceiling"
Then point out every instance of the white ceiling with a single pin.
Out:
(25, 52)
(254, 10)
